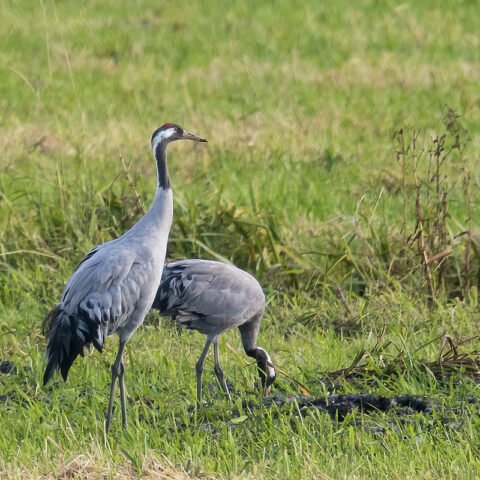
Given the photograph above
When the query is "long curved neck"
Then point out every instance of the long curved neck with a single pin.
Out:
(158, 219)
(249, 334)
(162, 167)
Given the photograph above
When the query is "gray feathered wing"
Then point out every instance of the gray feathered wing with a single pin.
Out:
(205, 296)
(101, 295)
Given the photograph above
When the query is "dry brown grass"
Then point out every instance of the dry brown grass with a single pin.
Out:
(87, 467)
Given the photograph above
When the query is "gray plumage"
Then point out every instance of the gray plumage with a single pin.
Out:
(115, 284)
(212, 297)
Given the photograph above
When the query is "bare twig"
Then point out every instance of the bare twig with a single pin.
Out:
(422, 249)
(466, 273)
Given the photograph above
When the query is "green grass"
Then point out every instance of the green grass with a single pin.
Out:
(298, 184)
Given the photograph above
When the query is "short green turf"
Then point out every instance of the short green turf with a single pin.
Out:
(298, 183)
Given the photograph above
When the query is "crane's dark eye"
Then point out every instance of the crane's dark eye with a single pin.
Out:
(178, 131)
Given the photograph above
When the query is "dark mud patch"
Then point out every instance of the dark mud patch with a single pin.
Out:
(379, 414)
(339, 406)
(7, 367)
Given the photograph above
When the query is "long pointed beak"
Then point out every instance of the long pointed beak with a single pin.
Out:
(192, 136)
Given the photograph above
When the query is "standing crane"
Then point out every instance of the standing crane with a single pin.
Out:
(115, 284)
(212, 297)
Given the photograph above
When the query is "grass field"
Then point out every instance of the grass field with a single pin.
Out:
(304, 182)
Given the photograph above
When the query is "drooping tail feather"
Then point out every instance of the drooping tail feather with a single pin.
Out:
(66, 336)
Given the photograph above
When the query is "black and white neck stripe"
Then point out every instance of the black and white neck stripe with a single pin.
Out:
(162, 167)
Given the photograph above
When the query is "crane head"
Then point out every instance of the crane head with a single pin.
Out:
(170, 132)
(266, 370)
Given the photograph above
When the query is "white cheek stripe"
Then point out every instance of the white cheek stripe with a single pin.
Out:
(164, 134)
(271, 371)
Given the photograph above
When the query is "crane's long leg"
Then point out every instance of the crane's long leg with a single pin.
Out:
(199, 369)
(116, 373)
(218, 370)
(121, 380)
